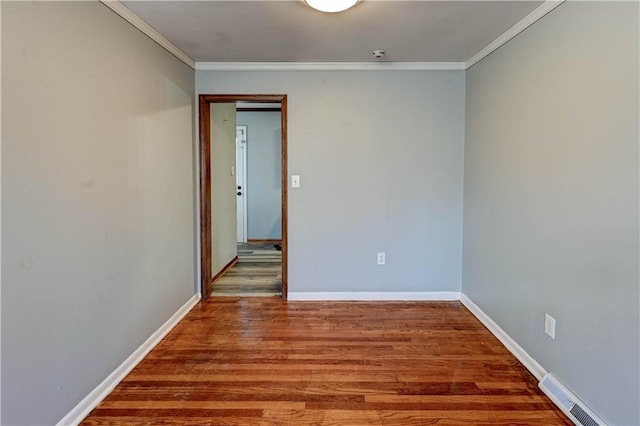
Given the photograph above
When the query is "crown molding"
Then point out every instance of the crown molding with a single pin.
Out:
(330, 66)
(522, 25)
(148, 30)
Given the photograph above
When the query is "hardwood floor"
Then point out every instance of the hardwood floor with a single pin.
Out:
(234, 361)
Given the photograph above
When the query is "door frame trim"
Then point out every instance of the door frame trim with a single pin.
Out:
(205, 102)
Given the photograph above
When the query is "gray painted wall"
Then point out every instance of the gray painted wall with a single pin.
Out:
(98, 205)
(264, 174)
(551, 198)
(223, 185)
(380, 156)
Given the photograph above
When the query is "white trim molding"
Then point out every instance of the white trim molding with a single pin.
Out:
(522, 355)
(148, 30)
(84, 407)
(522, 25)
(118, 7)
(330, 66)
(1, 210)
(374, 296)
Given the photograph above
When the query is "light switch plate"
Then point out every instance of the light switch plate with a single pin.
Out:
(295, 181)
(550, 326)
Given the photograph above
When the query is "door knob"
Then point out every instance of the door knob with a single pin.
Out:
(239, 187)
(239, 193)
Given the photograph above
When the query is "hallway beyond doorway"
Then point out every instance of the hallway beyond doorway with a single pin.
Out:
(258, 272)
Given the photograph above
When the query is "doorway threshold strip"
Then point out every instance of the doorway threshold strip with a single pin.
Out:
(245, 294)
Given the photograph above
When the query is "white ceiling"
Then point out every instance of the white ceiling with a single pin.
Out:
(290, 31)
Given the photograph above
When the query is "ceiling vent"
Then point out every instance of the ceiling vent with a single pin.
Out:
(570, 405)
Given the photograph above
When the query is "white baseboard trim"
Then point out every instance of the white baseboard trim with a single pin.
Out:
(526, 359)
(84, 407)
(372, 296)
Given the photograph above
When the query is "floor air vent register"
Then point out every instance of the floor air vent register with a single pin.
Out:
(570, 405)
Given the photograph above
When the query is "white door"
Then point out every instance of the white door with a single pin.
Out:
(241, 184)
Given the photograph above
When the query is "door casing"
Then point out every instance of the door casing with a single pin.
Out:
(206, 273)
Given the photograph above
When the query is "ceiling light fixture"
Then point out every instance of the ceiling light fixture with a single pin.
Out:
(331, 5)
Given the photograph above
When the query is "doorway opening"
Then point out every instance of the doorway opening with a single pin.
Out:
(213, 114)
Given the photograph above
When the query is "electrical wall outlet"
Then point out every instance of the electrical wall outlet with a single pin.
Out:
(381, 258)
(550, 326)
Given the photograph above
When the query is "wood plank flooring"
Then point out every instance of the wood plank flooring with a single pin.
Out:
(235, 361)
(257, 273)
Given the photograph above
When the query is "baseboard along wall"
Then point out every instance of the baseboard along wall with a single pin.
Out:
(225, 268)
(375, 296)
(267, 241)
(506, 340)
(80, 411)
(84, 407)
